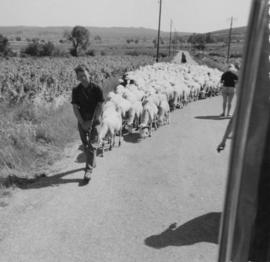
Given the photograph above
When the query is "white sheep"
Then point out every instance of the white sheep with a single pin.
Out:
(163, 110)
(149, 117)
(111, 124)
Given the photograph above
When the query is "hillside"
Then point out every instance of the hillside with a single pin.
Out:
(238, 33)
(106, 33)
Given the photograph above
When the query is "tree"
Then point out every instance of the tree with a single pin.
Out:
(209, 38)
(79, 37)
(197, 40)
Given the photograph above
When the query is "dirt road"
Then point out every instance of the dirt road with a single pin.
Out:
(136, 193)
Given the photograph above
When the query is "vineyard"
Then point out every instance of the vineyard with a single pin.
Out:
(36, 119)
(23, 79)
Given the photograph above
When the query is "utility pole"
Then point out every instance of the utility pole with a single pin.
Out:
(159, 20)
(170, 38)
(174, 42)
(229, 40)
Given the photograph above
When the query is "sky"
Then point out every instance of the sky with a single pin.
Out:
(187, 15)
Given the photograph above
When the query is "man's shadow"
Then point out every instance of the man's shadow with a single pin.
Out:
(213, 117)
(46, 181)
(204, 228)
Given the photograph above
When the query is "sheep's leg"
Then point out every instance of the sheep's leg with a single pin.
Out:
(113, 139)
(168, 118)
(110, 143)
(102, 149)
(150, 128)
(120, 136)
(154, 123)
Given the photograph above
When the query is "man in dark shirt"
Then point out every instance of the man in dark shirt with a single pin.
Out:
(228, 79)
(87, 101)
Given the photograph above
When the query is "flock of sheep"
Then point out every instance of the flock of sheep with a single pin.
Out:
(144, 98)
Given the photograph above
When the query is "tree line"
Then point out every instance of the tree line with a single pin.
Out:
(79, 37)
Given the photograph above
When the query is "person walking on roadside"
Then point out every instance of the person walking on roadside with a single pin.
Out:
(87, 101)
(228, 79)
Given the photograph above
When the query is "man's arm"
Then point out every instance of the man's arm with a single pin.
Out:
(86, 125)
(98, 112)
(77, 114)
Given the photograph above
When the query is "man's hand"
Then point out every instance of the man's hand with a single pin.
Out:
(86, 125)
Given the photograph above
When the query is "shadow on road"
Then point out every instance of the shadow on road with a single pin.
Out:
(81, 158)
(46, 181)
(204, 228)
(212, 117)
(132, 138)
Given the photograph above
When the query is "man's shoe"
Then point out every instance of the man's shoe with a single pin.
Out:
(87, 175)
(222, 115)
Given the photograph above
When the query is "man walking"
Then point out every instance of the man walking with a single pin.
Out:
(87, 101)
(228, 79)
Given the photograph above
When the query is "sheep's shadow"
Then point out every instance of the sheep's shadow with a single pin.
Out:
(204, 228)
(213, 117)
(45, 181)
(132, 138)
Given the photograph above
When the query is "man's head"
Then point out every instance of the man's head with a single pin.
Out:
(82, 74)
(231, 67)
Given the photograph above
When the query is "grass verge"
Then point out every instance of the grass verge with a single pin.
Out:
(32, 138)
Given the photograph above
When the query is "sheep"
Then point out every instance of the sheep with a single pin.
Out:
(149, 116)
(163, 110)
(111, 123)
(123, 104)
(134, 115)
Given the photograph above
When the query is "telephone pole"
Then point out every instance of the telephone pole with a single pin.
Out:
(170, 38)
(229, 39)
(159, 20)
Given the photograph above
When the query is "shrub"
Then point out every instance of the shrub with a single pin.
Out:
(236, 55)
(4, 44)
(163, 54)
(216, 54)
(102, 52)
(48, 49)
(33, 49)
(42, 49)
(91, 52)
(132, 53)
